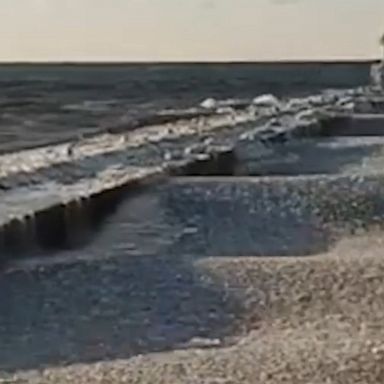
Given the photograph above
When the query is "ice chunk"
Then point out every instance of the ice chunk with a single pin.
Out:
(295, 104)
(209, 103)
(305, 115)
(225, 110)
(267, 100)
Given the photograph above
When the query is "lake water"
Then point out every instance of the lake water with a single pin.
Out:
(48, 103)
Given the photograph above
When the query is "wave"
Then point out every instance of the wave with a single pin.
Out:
(212, 103)
(91, 106)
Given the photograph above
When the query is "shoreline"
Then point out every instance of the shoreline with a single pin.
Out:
(39, 180)
(293, 310)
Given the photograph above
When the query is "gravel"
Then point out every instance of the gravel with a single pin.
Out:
(304, 320)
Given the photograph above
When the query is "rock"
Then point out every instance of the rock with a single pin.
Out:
(378, 350)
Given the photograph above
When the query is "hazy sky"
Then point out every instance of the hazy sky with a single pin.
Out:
(189, 29)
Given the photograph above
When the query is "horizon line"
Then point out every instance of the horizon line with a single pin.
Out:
(167, 62)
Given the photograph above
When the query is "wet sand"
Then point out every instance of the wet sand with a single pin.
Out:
(304, 320)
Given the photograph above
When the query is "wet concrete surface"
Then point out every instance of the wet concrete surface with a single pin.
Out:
(333, 155)
(360, 124)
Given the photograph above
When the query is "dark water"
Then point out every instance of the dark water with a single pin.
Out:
(45, 103)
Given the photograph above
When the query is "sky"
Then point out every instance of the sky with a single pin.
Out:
(189, 30)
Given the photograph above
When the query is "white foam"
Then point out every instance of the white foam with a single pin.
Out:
(90, 106)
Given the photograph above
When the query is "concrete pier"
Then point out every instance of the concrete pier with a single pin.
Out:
(355, 124)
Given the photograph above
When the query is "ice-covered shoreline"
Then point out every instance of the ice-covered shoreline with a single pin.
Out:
(195, 121)
(35, 180)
